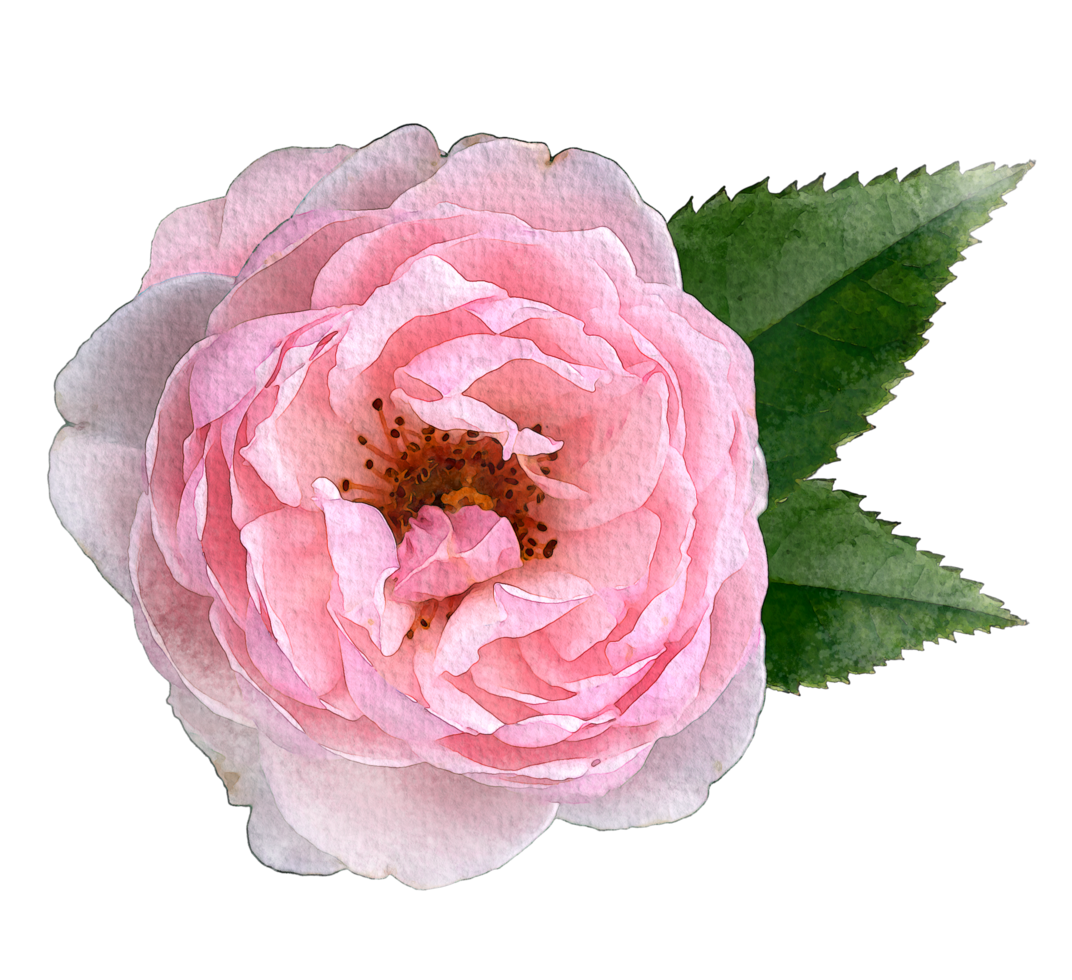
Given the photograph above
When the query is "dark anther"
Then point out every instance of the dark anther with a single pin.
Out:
(368, 464)
(427, 438)
(395, 433)
(446, 437)
(413, 447)
(499, 465)
(529, 552)
(404, 456)
(553, 457)
(509, 494)
(540, 497)
(424, 623)
(362, 440)
(449, 463)
(377, 404)
(545, 470)
(510, 480)
(409, 634)
(345, 485)
(471, 433)
(541, 526)
(513, 471)
(549, 548)
(532, 541)
(399, 420)
(428, 430)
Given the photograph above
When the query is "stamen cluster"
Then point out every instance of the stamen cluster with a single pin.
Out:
(449, 469)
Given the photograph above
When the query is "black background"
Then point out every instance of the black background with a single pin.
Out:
(890, 785)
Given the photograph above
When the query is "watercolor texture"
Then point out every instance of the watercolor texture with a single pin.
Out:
(436, 500)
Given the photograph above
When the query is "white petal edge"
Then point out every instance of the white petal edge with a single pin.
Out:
(108, 395)
(377, 173)
(234, 751)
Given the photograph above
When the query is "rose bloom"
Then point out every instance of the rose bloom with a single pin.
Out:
(435, 499)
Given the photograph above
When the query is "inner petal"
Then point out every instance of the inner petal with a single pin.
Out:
(445, 554)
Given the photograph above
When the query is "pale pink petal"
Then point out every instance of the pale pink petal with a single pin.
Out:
(576, 190)
(393, 711)
(272, 663)
(622, 472)
(496, 610)
(95, 485)
(280, 274)
(114, 382)
(431, 287)
(176, 622)
(108, 395)
(234, 751)
(679, 770)
(363, 555)
(444, 554)
(424, 826)
(288, 557)
(219, 235)
(377, 173)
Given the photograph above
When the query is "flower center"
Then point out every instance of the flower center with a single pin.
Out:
(449, 469)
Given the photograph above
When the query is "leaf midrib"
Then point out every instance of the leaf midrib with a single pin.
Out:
(1002, 612)
(854, 269)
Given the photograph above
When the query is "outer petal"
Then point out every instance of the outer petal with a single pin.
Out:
(377, 173)
(677, 775)
(425, 826)
(235, 752)
(108, 394)
(219, 235)
(576, 190)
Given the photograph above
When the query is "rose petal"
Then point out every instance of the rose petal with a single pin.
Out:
(108, 395)
(675, 779)
(363, 555)
(377, 173)
(444, 554)
(234, 751)
(288, 557)
(218, 235)
(424, 826)
(574, 191)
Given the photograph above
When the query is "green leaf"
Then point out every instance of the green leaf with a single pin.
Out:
(833, 291)
(846, 594)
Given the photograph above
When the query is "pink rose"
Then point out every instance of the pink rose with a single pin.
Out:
(435, 498)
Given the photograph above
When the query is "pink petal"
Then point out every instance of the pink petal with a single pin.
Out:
(422, 825)
(492, 611)
(675, 779)
(363, 555)
(444, 554)
(219, 235)
(377, 173)
(288, 555)
(176, 622)
(234, 751)
(108, 395)
(576, 190)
